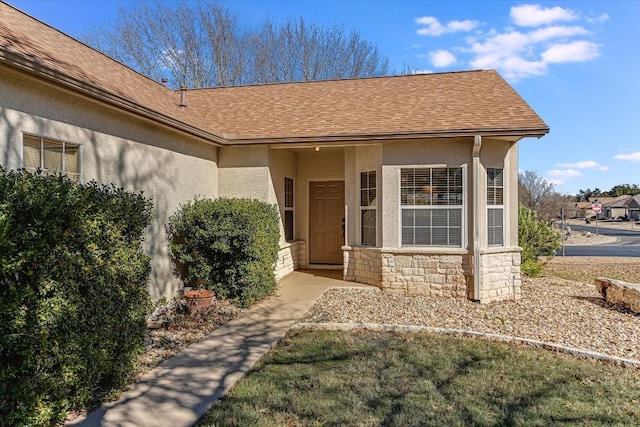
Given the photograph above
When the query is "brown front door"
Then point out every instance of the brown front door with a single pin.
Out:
(326, 216)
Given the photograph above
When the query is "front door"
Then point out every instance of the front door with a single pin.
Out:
(326, 222)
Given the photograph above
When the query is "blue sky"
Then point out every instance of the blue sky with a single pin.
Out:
(576, 63)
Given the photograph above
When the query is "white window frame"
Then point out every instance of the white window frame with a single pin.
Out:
(368, 208)
(64, 143)
(289, 208)
(462, 207)
(493, 206)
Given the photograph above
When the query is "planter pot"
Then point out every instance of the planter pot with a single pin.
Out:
(198, 299)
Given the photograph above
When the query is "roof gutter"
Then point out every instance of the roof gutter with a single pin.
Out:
(49, 74)
(517, 133)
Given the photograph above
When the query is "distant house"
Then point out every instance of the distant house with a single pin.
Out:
(582, 210)
(617, 208)
(408, 183)
(634, 208)
(611, 207)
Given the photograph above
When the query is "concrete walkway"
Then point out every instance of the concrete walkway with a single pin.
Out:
(178, 392)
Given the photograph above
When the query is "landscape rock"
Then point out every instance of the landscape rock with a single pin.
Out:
(619, 293)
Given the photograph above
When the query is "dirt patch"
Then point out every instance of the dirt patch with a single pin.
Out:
(176, 329)
(586, 269)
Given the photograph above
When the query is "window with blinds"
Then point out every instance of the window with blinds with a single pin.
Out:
(51, 156)
(288, 209)
(495, 207)
(368, 226)
(431, 202)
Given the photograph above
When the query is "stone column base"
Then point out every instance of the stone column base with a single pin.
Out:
(291, 256)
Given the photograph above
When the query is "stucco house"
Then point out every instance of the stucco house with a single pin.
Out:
(408, 183)
(581, 209)
(611, 207)
(617, 208)
(634, 208)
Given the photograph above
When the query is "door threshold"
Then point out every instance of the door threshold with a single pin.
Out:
(324, 267)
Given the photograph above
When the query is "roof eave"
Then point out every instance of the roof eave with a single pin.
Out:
(44, 72)
(517, 133)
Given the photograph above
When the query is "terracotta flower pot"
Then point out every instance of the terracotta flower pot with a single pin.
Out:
(198, 299)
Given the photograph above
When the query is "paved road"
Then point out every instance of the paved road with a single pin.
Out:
(627, 245)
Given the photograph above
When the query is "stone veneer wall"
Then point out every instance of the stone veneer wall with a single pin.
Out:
(435, 275)
(290, 257)
(362, 265)
(500, 272)
(410, 272)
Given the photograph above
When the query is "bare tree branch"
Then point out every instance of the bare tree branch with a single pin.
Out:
(201, 44)
(538, 195)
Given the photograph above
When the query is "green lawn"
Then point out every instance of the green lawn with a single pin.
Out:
(323, 378)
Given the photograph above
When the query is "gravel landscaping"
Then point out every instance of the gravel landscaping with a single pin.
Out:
(554, 310)
(563, 307)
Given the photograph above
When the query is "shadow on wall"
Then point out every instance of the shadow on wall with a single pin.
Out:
(10, 132)
(138, 167)
(169, 168)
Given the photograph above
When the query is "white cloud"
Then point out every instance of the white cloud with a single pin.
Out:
(506, 52)
(524, 54)
(576, 51)
(564, 173)
(549, 33)
(435, 28)
(422, 71)
(539, 39)
(504, 44)
(532, 15)
(634, 157)
(465, 26)
(586, 164)
(442, 58)
(598, 19)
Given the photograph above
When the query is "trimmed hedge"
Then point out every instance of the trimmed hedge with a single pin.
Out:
(229, 246)
(73, 297)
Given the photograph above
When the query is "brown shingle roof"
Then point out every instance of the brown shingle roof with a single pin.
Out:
(418, 105)
(616, 202)
(467, 102)
(607, 200)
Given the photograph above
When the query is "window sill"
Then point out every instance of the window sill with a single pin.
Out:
(413, 250)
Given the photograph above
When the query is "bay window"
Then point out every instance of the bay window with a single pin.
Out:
(431, 202)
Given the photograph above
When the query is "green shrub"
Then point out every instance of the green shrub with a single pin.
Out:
(531, 268)
(536, 237)
(73, 297)
(229, 246)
